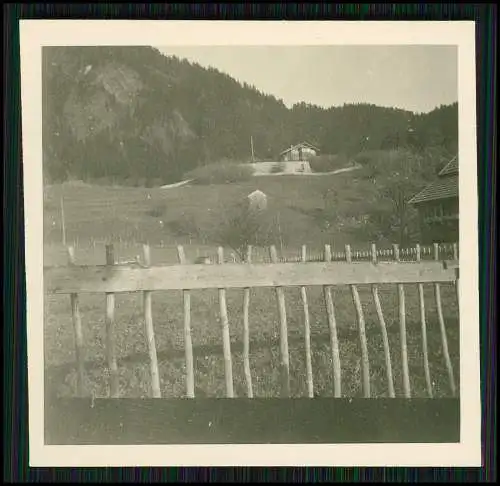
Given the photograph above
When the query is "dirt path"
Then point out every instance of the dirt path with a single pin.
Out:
(176, 184)
(305, 174)
(338, 171)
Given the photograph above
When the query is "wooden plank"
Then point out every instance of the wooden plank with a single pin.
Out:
(383, 329)
(77, 327)
(150, 333)
(130, 278)
(226, 339)
(284, 355)
(451, 265)
(425, 347)
(334, 341)
(188, 343)
(365, 363)
(402, 330)
(307, 333)
(442, 327)
(110, 328)
(246, 332)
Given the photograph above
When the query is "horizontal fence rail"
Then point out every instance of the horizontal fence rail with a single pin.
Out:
(130, 278)
(134, 276)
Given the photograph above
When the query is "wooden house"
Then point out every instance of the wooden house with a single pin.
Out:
(438, 208)
(301, 152)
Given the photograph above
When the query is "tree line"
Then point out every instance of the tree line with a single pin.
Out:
(134, 115)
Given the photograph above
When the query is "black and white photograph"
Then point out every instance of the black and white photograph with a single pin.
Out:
(251, 216)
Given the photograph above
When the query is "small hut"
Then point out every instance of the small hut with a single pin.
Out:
(301, 152)
(257, 201)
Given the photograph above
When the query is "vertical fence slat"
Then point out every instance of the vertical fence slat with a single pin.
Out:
(365, 363)
(444, 339)
(383, 329)
(402, 330)
(150, 333)
(457, 281)
(188, 343)
(285, 360)
(77, 327)
(307, 332)
(110, 325)
(424, 330)
(332, 323)
(63, 222)
(226, 339)
(246, 332)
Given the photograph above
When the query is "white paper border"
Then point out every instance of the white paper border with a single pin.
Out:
(37, 33)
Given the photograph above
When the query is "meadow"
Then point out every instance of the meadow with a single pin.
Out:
(129, 216)
(155, 215)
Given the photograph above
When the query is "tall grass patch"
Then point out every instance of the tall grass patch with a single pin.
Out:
(224, 172)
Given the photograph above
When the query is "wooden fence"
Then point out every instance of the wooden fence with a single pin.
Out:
(142, 277)
(409, 253)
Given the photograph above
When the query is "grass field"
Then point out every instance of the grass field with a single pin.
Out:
(140, 214)
(127, 215)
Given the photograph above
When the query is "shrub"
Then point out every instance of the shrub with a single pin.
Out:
(220, 173)
(157, 211)
(328, 163)
(369, 157)
(242, 226)
(185, 226)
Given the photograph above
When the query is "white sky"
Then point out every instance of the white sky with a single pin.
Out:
(416, 78)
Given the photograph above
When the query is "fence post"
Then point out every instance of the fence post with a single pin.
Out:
(77, 326)
(365, 364)
(63, 222)
(444, 339)
(402, 330)
(307, 332)
(246, 331)
(424, 330)
(332, 323)
(457, 281)
(226, 338)
(383, 328)
(110, 324)
(188, 343)
(150, 333)
(285, 363)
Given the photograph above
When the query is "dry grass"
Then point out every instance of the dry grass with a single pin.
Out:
(115, 213)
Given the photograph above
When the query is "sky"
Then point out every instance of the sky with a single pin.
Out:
(416, 78)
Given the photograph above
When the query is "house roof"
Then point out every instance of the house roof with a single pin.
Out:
(446, 186)
(442, 188)
(450, 168)
(301, 144)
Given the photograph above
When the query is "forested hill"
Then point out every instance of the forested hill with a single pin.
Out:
(131, 113)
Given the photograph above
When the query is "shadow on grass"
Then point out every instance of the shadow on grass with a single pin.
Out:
(257, 421)
(264, 355)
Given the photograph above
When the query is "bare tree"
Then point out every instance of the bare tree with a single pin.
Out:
(404, 173)
(245, 226)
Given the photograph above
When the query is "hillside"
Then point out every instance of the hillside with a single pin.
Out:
(134, 116)
(361, 207)
(192, 213)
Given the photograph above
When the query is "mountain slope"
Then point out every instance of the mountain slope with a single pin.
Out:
(132, 114)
